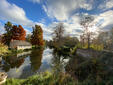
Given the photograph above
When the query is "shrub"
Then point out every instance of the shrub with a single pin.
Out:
(3, 49)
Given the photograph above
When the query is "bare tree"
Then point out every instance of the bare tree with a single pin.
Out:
(58, 32)
(87, 23)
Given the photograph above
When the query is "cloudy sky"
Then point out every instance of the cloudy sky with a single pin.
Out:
(48, 13)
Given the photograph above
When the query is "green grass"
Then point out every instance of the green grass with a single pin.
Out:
(48, 78)
(45, 78)
(14, 81)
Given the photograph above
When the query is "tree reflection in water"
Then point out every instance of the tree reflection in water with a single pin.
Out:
(36, 58)
(12, 62)
(58, 61)
(15, 62)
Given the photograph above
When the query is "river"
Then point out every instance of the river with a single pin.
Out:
(26, 64)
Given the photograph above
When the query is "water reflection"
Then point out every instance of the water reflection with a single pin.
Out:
(35, 58)
(29, 63)
(22, 65)
(12, 62)
(59, 61)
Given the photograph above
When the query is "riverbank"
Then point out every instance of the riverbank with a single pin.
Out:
(48, 78)
(45, 78)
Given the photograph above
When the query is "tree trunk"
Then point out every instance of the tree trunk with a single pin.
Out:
(88, 41)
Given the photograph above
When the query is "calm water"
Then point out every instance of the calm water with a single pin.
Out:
(29, 63)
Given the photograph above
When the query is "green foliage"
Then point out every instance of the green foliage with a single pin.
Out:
(13, 82)
(73, 50)
(46, 78)
(8, 26)
(8, 35)
(17, 51)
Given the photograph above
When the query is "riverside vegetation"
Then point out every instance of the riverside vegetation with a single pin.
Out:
(84, 61)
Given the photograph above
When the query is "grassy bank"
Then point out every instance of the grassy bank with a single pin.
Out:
(45, 78)
(48, 78)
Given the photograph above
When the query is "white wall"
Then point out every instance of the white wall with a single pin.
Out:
(23, 47)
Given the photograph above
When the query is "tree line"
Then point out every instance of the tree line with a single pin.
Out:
(98, 40)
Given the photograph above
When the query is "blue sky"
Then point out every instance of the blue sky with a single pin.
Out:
(48, 13)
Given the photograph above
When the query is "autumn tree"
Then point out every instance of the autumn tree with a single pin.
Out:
(37, 36)
(18, 33)
(86, 23)
(8, 35)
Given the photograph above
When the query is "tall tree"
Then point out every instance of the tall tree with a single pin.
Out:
(18, 33)
(37, 36)
(8, 35)
(58, 32)
(86, 24)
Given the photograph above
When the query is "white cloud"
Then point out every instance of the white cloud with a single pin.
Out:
(65, 11)
(106, 18)
(13, 13)
(62, 9)
(73, 27)
(107, 4)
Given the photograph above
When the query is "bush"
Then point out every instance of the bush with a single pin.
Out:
(3, 49)
(97, 47)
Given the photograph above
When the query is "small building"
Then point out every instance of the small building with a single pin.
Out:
(20, 45)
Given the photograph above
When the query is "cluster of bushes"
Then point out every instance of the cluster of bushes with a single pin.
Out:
(98, 47)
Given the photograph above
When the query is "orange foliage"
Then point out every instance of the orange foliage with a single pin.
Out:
(18, 33)
(37, 36)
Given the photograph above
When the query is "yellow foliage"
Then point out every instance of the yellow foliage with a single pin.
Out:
(97, 47)
(3, 49)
